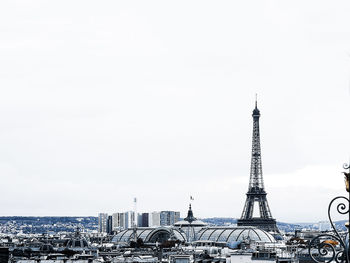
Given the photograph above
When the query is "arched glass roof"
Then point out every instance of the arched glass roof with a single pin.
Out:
(231, 234)
(206, 234)
(147, 234)
(216, 234)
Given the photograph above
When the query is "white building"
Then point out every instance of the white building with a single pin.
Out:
(124, 220)
(118, 221)
(154, 219)
(130, 219)
(102, 222)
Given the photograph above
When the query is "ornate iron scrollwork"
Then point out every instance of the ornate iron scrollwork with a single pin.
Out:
(333, 247)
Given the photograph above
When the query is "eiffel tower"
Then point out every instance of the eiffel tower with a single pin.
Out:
(256, 192)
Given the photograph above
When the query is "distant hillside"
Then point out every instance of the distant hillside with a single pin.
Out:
(220, 221)
(288, 227)
(33, 224)
(36, 220)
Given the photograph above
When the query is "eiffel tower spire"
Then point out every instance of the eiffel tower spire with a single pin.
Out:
(256, 190)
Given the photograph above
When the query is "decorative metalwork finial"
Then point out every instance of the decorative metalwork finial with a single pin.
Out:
(334, 247)
(347, 175)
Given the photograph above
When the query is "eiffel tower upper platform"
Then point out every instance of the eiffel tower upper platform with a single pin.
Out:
(256, 191)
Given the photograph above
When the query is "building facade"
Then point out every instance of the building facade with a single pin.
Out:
(130, 219)
(143, 220)
(169, 218)
(109, 229)
(102, 222)
(118, 221)
(154, 219)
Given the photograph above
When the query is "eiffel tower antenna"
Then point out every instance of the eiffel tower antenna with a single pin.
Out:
(256, 190)
(256, 100)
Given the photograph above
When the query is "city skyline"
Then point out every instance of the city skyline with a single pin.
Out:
(104, 103)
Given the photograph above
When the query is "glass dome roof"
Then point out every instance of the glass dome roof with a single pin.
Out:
(231, 234)
(149, 234)
(216, 234)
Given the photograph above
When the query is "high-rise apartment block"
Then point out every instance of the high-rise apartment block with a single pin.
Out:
(118, 221)
(154, 219)
(168, 218)
(144, 220)
(102, 222)
(130, 219)
(109, 228)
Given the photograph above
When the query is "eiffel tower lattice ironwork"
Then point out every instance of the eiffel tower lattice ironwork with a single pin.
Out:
(256, 191)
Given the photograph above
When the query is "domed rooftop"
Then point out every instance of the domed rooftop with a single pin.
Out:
(77, 241)
(46, 248)
(190, 220)
(232, 234)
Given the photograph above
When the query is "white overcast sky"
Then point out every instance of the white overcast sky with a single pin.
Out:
(103, 101)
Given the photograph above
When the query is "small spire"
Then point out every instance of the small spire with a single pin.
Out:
(77, 231)
(190, 218)
(256, 112)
